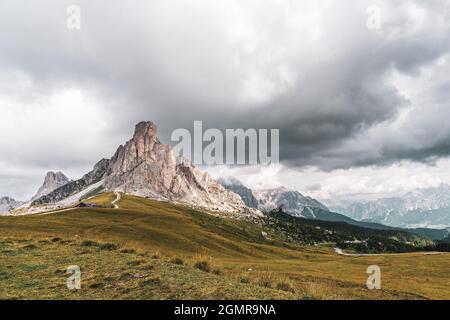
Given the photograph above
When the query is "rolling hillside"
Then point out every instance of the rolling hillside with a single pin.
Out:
(347, 236)
(325, 215)
(135, 252)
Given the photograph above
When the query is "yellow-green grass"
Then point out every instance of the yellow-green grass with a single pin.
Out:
(235, 248)
(38, 270)
(104, 200)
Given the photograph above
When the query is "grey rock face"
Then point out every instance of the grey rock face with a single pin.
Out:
(285, 201)
(291, 202)
(240, 189)
(7, 203)
(73, 187)
(52, 181)
(421, 208)
(146, 167)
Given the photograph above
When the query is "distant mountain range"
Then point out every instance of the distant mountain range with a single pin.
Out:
(52, 181)
(239, 188)
(292, 201)
(423, 208)
(297, 205)
(8, 203)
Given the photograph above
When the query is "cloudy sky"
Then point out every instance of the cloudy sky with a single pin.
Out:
(362, 107)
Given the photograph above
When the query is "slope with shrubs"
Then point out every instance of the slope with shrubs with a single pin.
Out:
(347, 236)
(36, 269)
(203, 255)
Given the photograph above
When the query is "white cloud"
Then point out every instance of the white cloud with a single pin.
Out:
(365, 183)
(342, 96)
(64, 131)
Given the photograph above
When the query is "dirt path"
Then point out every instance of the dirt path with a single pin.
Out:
(55, 211)
(118, 197)
(114, 203)
(342, 253)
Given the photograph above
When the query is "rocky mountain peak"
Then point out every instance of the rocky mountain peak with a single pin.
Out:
(291, 201)
(428, 207)
(146, 167)
(52, 181)
(145, 138)
(8, 203)
(54, 177)
(239, 188)
(145, 128)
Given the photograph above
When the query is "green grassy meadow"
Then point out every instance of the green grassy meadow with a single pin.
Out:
(155, 250)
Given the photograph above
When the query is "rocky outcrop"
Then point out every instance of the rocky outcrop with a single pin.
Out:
(7, 204)
(146, 167)
(421, 208)
(74, 187)
(240, 189)
(290, 201)
(52, 181)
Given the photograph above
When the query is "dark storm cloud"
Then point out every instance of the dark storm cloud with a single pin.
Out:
(311, 68)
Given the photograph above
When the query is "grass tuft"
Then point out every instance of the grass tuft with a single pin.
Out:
(136, 262)
(89, 243)
(266, 283)
(203, 266)
(285, 286)
(128, 251)
(29, 247)
(217, 272)
(96, 285)
(108, 246)
(150, 282)
(126, 276)
(245, 280)
(177, 261)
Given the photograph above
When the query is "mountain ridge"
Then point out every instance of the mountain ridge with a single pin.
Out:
(145, 167)
(52, 181)
(8, 203)
(427, 207)
(293, 203)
